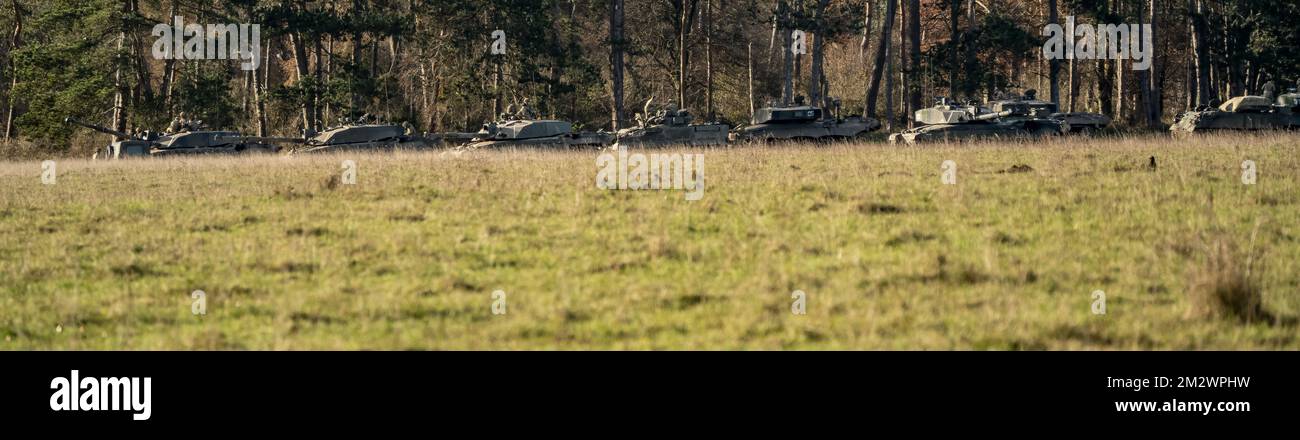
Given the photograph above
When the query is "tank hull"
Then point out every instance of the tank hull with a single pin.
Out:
(565, 141)
(673, 135)
(981, 130)
(847, 128)
(1206, 121)
(1083, 122)
(379, 146)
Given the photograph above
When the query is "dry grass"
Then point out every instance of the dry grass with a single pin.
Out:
(889, 257)
(1227, 282)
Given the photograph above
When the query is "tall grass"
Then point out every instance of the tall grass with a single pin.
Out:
(890, 258)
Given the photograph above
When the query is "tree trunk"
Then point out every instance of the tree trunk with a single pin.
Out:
(1155, 96)
(787, 57)
(865, 44)
(914, 57)
(708, 59)
(815, 76)
(354, 97)
(140, 56)
(685, 21)
(1144, 105)
(15, 42)
(119, 83)
(301, 69)
(889, 73)
(881, 58)
(1054, 65)
(259, 109)
(169, 68)
(1105, 81)
(750, 61)
(954, 64)
(616, 61)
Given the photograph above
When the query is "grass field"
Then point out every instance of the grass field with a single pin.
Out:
(1188, 256)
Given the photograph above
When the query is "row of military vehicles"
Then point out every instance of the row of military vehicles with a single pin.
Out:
(1020, 117)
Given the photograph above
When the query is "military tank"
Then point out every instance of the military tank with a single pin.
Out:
(191, 139)
(352, 135)
(952, 122)
(535, 133)
(1242, 113)
(802, 123)
(1029, 106)
(670, 126)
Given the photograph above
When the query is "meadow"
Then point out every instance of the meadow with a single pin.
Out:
(1009, 257)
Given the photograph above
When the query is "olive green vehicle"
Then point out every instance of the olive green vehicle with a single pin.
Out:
(383, 137)
(184, 142)
(1243, 113)
(955, 122)
(1028, 106)
(350, 137)
(530, 133)
(802, 123)
(670, 126)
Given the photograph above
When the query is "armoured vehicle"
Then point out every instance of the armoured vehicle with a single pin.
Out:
(1030, 106)
(947, 121)
(670, 126)
(348, 138)
(535, 133)
(802, 123)
(449, 139)
(1243, 113)
(185, 142)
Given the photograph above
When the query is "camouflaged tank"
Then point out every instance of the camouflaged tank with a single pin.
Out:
(354, 137)
(802, 123)
(186, 142)
(671, 128)
(1243, 113)
(1030, 107)
(530, 133)
(952, 122)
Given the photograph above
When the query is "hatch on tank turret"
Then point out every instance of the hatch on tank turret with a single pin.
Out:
(776, 115)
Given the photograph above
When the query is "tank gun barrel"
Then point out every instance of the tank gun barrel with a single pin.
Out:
(101, 129)
(988, 116)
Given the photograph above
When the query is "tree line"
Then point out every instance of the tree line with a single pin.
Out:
(597, 62)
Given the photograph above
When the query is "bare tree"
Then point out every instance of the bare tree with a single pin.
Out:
(15, 41)
(881, 58)
(787, 57)
(955, 35)
(616, 43)
(1155, 98)
(1054, 69)
(815, 75)
(1201, 48)
(708, 59)
(685, 22)
(914, 56)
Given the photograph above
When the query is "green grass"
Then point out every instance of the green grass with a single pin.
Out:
(889, 257)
